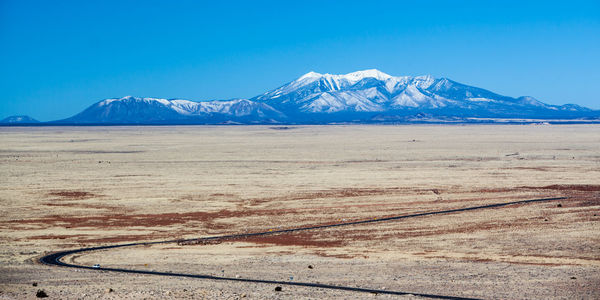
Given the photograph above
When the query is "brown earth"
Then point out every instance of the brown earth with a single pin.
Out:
(65, 188)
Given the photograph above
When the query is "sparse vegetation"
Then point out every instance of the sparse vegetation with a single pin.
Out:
(187, 182)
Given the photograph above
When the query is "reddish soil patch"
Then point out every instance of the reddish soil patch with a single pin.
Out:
(145, 220)
(304, 239)
(84, 205)
(210, 219)
(82, 238)
(222, 195)
(576, 200)
(567, 187)
(55, 237)
(345, 256)
(499, 190)
(72, 195)
(338, 238)
(124, 238)
(336, 193)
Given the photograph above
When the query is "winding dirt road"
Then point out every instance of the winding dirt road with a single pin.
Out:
(56, 258)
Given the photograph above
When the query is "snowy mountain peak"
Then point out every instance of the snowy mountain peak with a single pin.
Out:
(310, 74)
(352, 77)
(128, 99)
(371, 73)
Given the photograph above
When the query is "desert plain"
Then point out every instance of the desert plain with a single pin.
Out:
(72, 187)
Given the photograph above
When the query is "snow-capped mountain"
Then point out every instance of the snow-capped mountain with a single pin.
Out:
(19, 120)
(136, 110)
(362, 91)
(372, 91)
(369, 96)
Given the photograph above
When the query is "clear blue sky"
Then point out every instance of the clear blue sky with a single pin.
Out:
(58, 57)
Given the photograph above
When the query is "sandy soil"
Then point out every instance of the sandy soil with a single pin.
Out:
(63, 188)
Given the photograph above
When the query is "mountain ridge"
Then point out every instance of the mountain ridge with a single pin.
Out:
(367, 96)
(375, 91)
(136, 110)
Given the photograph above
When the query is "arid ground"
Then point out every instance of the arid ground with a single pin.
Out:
(65, 188)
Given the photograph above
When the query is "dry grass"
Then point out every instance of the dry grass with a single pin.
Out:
(66, 187)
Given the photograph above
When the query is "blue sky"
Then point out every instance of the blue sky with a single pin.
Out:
(58, 57)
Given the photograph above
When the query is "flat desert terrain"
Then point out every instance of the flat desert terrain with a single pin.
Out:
(72, 187)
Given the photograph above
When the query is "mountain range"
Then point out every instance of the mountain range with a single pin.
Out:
(369, 96)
